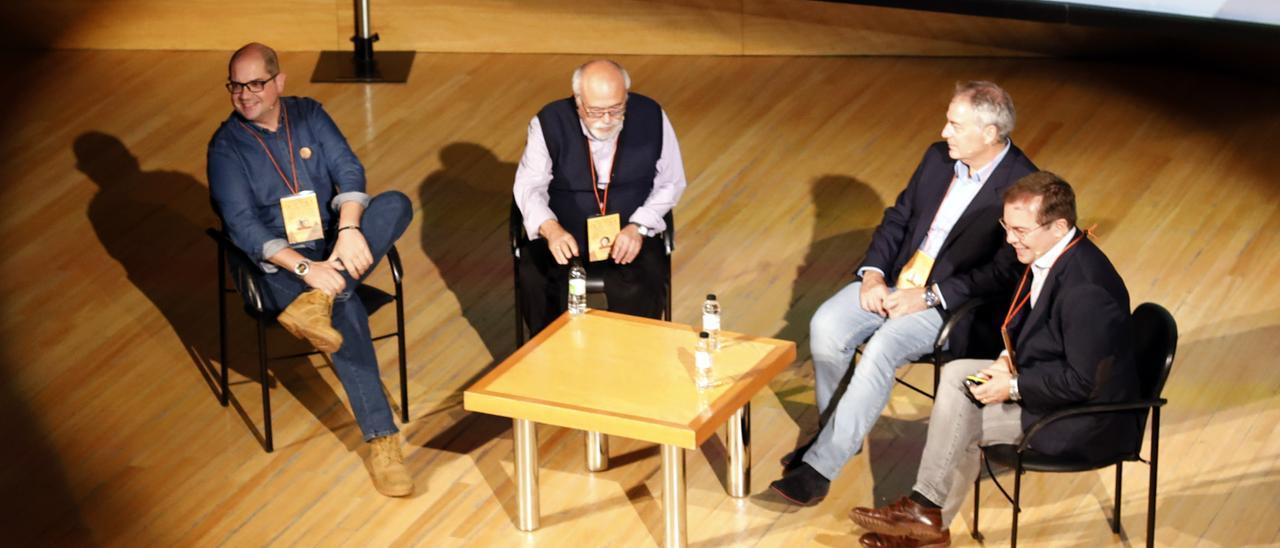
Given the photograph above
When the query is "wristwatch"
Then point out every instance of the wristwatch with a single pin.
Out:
(1013, 390)
(302, 268)
(643, 230)
(930, 298)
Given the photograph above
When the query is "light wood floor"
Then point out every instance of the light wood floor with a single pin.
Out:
(109, 332)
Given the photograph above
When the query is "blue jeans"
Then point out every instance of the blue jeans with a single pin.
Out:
(837, 329)
(383, 222)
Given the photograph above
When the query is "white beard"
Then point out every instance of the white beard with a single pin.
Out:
(604, 132)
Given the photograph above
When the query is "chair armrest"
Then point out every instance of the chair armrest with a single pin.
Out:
(1087, 410)
(958, 314)
(393, 260)
(669, 235)
(248, 274)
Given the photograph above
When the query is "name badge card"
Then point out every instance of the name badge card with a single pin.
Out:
(601, 232)
(916, 271)
(301, 214)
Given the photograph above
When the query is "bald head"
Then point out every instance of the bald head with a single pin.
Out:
(601, 77)
(255, 51)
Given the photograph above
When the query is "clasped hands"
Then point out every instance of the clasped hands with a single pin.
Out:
(875, 297)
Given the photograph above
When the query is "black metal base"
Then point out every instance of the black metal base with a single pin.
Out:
(385, 67)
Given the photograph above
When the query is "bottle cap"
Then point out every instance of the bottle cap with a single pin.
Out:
(711, 296)
(704, 335)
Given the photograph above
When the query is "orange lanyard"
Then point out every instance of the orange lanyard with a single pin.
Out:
(1016, 305)
(293, 166)
(591, 163)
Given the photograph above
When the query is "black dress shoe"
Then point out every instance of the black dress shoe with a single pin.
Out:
(803, 485)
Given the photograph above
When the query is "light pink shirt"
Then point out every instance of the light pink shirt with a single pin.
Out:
(533, 177)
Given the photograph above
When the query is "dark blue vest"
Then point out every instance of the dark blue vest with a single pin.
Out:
(634, 164)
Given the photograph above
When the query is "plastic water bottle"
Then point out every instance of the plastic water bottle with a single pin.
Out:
(711, 320)
(577, 289)
(702, 361)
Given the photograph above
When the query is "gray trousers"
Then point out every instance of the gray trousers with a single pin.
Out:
(957, 427)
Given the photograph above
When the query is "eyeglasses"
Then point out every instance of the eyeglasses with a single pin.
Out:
(596, 114)
(1019, 232)
(254, 86)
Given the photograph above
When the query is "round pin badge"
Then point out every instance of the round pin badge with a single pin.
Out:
(305, 152)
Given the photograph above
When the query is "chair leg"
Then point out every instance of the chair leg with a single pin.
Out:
(977, 490)
(268, 442)
(1155, 467)
(404, 365)
(1115, 509)
(518, 309)
(225, 395)
(1017, 503)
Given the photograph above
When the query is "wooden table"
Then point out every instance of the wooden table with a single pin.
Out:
(612, 374)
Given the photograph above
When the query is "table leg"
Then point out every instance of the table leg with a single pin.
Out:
(597, 451)
(526, 441)
(673, 497)
(739, 449)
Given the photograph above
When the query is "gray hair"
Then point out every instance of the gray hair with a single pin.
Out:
(577, 76)
(991, 102)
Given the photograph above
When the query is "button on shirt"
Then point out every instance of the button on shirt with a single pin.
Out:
(246, 189)
(533, 177)
(1041, 266)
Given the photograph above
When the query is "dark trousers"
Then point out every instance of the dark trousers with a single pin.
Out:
(383, 222)
(635, 288)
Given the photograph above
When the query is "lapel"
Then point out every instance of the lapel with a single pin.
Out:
(989, 195)
(935, 194)
(1040, 313)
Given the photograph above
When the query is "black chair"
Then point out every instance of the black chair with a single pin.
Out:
(249, 280)
(1156, 341)
(518, 238)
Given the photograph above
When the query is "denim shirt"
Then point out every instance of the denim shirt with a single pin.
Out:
(246, 189)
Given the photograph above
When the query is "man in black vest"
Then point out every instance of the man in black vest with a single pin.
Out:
(603, 152)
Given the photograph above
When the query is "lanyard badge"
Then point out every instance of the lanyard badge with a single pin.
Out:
(602, 229)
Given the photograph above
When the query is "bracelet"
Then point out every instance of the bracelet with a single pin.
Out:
(357, 227)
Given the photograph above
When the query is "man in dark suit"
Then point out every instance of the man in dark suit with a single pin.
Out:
(941, 226)
(1069, 326)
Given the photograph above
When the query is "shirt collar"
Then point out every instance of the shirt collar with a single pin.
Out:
(980, 176)
(1045, 261)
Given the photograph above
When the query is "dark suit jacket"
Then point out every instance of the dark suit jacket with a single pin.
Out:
(972, 242)
(1075, 347)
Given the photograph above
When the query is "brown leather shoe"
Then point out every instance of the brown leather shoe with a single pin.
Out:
(877, 540)
(310, 317)
(386, 467)
(904, 518)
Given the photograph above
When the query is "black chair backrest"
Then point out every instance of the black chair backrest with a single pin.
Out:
(1156, 342)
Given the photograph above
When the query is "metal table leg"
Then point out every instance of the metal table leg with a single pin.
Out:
(597, 451)
(739, 449)
(526, 441)
(673, 498)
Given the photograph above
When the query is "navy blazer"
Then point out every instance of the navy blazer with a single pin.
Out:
(973, 242)
(1074, 348)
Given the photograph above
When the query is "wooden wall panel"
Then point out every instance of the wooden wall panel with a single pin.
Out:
(681, 27)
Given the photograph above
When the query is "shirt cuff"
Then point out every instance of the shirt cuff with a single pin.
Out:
(937, 292)
(534, 218)
(358, 197)
(863, 270)
(269, 249)
(1014, 395)
(649, 218)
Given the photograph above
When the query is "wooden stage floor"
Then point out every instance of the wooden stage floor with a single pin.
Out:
(108, 337)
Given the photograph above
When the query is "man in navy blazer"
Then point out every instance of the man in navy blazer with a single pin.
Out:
(942, 226)
(1069, 325)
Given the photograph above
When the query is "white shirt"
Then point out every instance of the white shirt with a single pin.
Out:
(1041, 266)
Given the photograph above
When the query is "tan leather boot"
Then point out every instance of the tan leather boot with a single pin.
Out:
(310, 317)
(386, 466)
